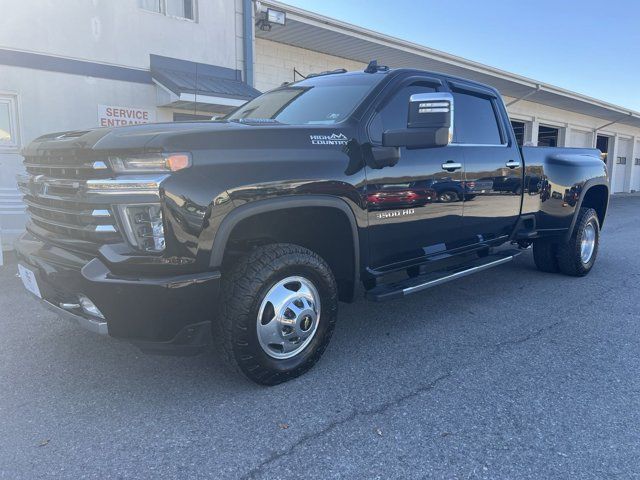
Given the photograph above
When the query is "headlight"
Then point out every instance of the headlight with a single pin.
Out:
(156, 162)
(143, 227)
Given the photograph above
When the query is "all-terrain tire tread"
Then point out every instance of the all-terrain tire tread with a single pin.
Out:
(568, 254)
(238, 295)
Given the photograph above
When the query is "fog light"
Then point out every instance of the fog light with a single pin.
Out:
(143, 226)
(89, 307)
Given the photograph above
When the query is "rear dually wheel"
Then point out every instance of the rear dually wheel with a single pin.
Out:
(577, 256)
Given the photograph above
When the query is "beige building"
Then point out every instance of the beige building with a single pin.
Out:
(78, 65)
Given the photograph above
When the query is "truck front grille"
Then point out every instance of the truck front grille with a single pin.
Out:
(60, 167)
(58, 206)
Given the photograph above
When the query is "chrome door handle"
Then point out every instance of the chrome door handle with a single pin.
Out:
(512, 164)
(451, 166)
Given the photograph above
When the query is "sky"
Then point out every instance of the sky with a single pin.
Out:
(582, 45)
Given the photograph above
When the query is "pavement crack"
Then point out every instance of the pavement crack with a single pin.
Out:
(382, 408)
(517, 341)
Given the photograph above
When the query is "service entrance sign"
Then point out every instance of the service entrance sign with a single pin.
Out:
(112, 116)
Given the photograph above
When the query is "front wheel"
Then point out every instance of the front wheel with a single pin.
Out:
(577, 256)
(279, 310)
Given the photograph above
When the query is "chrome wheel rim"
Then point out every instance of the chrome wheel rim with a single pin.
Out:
(588, 243)
(288, 317)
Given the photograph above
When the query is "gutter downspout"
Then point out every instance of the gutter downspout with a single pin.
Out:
(247, 38)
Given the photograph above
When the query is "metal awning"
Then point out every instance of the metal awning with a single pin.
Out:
(190, 85)
(315, 32)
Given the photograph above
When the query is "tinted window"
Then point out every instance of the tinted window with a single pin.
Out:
(395, 114)
(474, 120)
(316, 101)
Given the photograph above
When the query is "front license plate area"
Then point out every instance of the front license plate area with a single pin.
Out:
(29, 280)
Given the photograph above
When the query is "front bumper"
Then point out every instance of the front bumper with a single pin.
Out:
(94, 325)
(159, 312)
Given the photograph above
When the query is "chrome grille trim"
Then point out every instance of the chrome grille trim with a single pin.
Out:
(55, 194)
(70, 226)
(56, 166)
(89, 214)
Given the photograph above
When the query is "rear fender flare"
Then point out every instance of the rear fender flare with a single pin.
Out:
(587, 186)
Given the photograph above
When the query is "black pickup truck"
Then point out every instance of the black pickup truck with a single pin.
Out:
(247, 231)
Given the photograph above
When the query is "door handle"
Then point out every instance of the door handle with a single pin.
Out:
(512, 164)
(451, 166)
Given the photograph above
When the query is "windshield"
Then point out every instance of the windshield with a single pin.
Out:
(322, 100)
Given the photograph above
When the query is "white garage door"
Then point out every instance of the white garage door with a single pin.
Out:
(578, 138)
(635, 172)
(621, 161)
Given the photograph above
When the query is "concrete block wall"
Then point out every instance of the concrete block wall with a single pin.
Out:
(274, 63)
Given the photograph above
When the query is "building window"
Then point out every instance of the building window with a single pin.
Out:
(171, 8)
(9, 138)
(519, 130)
(602, 144)
(637, 162)
(548, 136)
(621, 160)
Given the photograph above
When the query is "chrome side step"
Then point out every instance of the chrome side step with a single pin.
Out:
(422, 282)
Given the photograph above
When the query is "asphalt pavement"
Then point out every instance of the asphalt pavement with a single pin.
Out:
(508, 374)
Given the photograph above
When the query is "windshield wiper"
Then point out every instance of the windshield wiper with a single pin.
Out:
(254, 121)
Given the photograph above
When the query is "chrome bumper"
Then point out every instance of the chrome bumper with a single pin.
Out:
(93, 325)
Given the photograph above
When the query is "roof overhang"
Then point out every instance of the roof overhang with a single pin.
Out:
(315, 32)
(190, 85)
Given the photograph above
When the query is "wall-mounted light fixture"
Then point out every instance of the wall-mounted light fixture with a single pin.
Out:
(266, 18)
(276, 17)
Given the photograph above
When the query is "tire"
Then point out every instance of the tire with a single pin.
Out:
(254, 280)
(448, 196)
(577, 256)
(545, 256)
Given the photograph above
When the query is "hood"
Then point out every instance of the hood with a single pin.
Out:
(187, 136)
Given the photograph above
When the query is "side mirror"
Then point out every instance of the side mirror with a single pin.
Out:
(430, 123)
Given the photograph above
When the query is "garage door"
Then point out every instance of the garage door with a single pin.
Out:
(635, 169)
(580, 139)
(623, 157)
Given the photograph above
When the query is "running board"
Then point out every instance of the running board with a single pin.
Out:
(391, 291)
